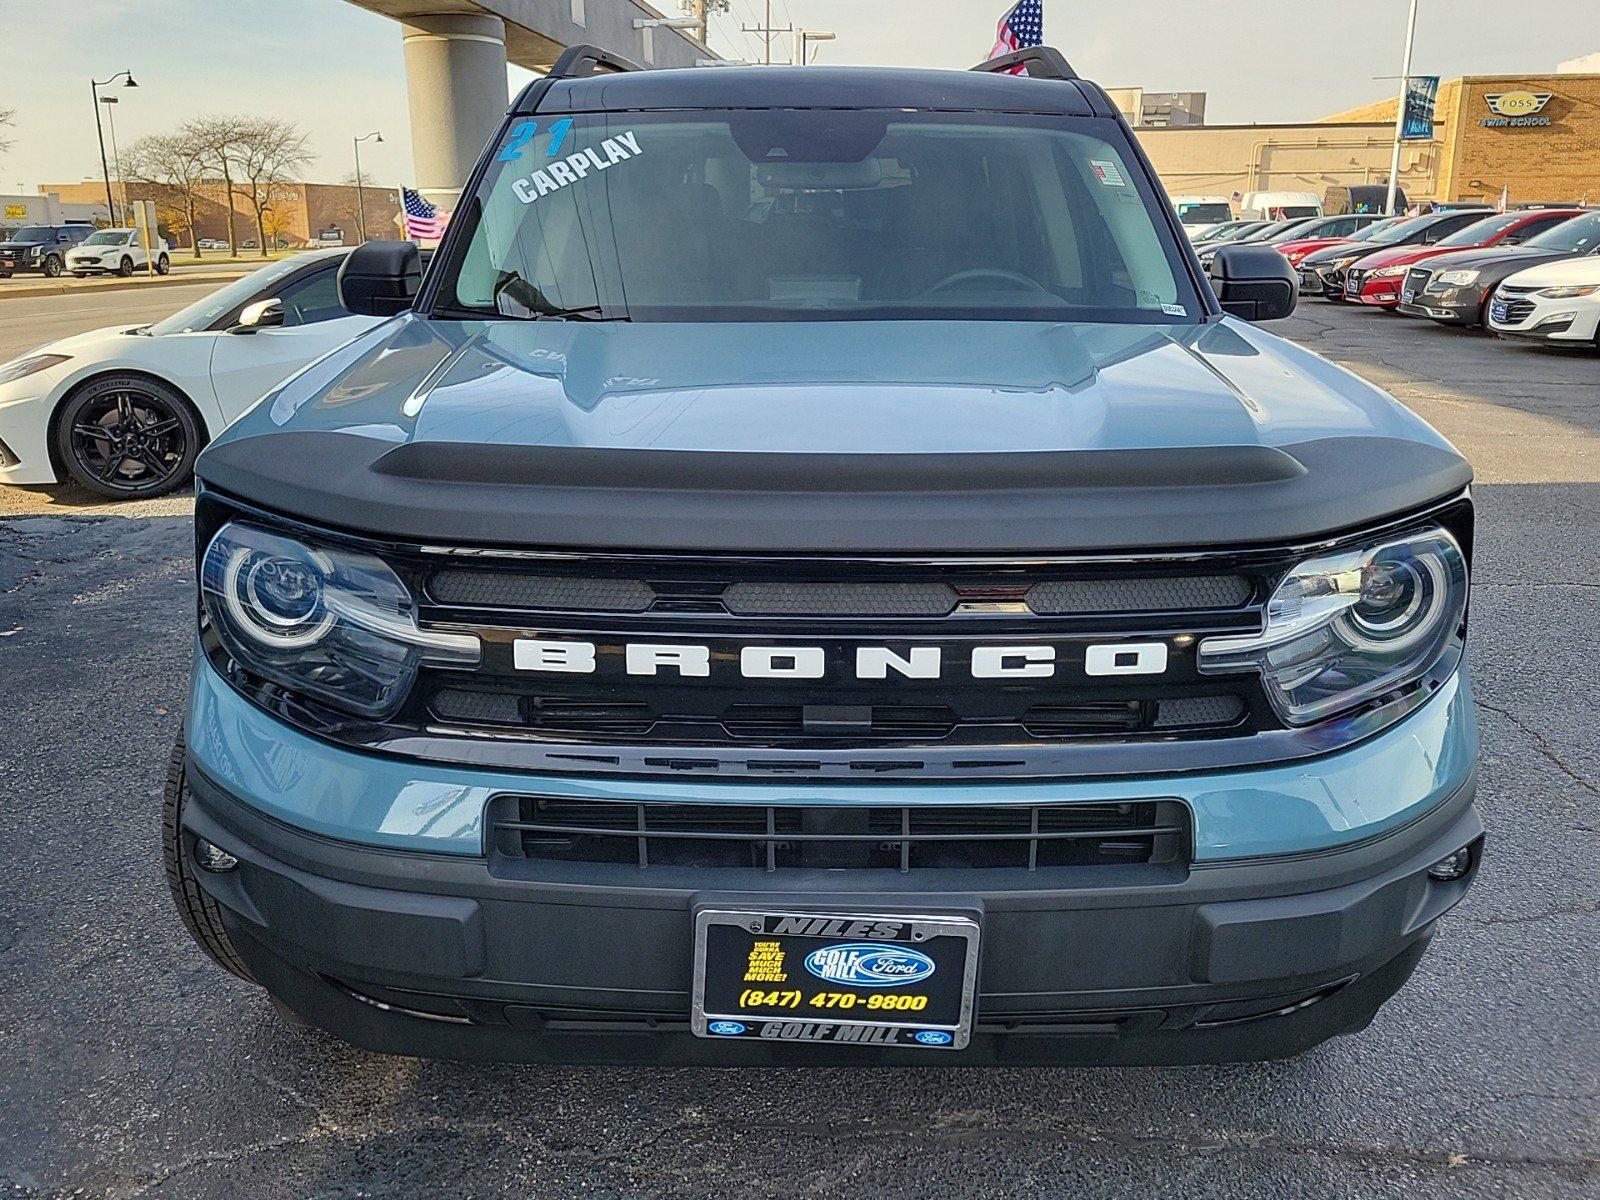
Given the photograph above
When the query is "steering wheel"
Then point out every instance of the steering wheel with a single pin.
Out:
(996, 273)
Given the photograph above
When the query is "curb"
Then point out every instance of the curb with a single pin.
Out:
(55, 287)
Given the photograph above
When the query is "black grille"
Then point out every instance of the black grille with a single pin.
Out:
(864, 598)
(1417, 280)
(560, 716)
(792, 837)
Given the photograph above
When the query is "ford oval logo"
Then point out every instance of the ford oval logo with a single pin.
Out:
(866, 964)
(726, 1028)
(934, 1037)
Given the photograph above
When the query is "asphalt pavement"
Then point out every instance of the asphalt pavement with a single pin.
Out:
(130, 1067)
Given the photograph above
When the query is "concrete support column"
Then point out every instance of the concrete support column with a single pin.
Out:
(456, 85)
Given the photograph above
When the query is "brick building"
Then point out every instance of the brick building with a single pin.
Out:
(1536, 136)
(300, 212)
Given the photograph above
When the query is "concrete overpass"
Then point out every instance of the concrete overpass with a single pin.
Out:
(456, 53)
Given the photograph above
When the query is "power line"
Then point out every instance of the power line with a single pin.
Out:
(768, 31)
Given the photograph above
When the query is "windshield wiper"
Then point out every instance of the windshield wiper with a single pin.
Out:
(585, 312)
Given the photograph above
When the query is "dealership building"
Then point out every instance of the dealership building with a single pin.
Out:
(1535, 136)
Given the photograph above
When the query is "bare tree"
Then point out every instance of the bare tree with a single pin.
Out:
(175, 163)
(220, 141)
(270, 153)
(8, 118)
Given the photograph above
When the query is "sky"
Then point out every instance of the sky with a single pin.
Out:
(335, 70)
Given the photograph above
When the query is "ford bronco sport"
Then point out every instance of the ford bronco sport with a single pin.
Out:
(816, 573)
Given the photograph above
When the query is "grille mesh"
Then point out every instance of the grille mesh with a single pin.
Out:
(840, 599)
(502, 589)
(1065, 596)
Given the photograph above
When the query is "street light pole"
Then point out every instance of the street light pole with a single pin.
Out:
(361, 204)
(1400, 111)
(105, 171)
(116, 155)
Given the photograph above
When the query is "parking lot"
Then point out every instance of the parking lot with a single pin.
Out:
(130, 1067)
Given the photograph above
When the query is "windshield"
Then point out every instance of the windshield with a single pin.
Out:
(206, 311)
(107, 237)
(814, 215)
(1369, 233)
(1295, 229)
(1480, 232)
(1400, 230)
(34, 233)
(1297, 210)
(1577, 236)
(1199, 213)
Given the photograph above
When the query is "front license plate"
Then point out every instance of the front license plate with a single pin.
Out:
(866, 980)
(1497, 310)
(1407, 296)
(1351, 287)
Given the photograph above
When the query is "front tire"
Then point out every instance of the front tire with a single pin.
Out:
(125, 267)
(200, 914)
(52, 266)
(163, 265)
(128, 437)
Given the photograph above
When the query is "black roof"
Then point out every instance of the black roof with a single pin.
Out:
(817, 87)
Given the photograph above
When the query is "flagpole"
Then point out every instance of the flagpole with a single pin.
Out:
(1400, 111)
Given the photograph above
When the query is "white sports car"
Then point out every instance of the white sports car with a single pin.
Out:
(125, 410)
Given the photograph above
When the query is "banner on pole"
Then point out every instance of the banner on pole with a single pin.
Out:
(1422, 91)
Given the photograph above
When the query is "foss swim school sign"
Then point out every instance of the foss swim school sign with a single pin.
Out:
(1516, 110)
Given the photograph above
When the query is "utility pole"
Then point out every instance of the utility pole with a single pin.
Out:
(767, 31)
(361, 200)
(701, 11)
(1400, 112)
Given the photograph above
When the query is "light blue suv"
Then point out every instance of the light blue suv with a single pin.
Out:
(816, 573)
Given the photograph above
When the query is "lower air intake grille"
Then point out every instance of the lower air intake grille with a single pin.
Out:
(791, 837)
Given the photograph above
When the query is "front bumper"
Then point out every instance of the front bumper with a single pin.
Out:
(1250, 951)
(1554, 321)
(25, 408)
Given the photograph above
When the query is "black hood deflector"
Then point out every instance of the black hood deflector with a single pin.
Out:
(1050, 502)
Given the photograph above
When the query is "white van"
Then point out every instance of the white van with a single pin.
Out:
(1280, 206)
(1200, 213)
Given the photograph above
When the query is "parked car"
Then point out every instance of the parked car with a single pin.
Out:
(1280, 206)
(41, 248)
(212, 244)
(1557, 302)
(1325, 270)
(1454, 289)
(700, 620)
(1197, 214)
(116, 251)
(1225, 229)
(123, 411)
(1325, 232)
(1362, 198)
(1376, 281)
(1267, 235)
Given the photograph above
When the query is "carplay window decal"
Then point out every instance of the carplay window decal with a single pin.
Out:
(564, 172)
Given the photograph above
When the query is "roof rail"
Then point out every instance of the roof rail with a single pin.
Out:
(577, 61)
(1042, 62)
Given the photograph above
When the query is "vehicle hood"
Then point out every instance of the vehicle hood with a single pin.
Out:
(1401, 256)
(1342, 248)
(93, 343)
(1561, 272)
(14, 247)
(1504, 257)
(420, 417)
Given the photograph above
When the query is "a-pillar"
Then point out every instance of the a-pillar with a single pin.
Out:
(456, 83)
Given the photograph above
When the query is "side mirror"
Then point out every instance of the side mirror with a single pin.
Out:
(380, 279)
(1254, 282)
(263, 314)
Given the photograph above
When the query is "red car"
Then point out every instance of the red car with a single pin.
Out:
(1376, 279)
(1366, 224)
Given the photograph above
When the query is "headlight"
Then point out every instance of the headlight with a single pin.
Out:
(1567, 293)
(35, 251)
(1457, 278)
(321, 622)
(19, 368)
(1345, 628)
(1389, 272)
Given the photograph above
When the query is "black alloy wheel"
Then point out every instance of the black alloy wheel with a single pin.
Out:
(52, 265)
(128, 437)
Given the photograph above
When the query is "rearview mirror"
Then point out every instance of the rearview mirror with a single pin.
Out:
(380, 279)
(263, 314)
(1254, 282)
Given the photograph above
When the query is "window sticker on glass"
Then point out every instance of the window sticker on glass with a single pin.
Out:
(1175, 310)
(1107, 172)
(567, 171)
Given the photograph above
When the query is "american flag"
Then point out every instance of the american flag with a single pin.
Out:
(424, 222)
(1020, 29)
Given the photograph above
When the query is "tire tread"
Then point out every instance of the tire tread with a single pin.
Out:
(200, 914)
